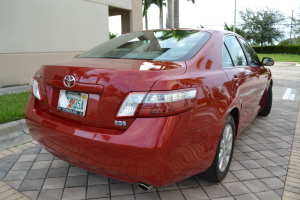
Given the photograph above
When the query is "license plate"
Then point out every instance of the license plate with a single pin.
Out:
(72, 102)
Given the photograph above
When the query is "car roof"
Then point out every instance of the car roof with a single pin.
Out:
(225, 32)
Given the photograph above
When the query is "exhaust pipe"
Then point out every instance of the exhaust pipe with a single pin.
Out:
(144, 186)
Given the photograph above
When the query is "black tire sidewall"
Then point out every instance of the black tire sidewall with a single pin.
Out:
(222, 175)
(268, 104)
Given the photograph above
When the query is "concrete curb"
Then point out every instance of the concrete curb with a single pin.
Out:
(287, 63)
(14, 89)
(13, 133)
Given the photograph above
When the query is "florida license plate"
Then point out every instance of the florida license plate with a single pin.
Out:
(72, 102)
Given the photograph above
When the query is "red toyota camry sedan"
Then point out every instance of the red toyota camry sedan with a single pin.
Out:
(151, 107)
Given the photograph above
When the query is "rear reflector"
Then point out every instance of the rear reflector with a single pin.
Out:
(35, 88)
(157, 103)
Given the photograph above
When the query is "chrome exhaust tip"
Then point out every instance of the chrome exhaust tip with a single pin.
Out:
(144, 187)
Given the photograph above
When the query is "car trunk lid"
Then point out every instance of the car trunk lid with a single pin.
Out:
(104, 82)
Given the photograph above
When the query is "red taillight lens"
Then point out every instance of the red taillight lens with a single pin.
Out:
(158, 103)
(35, 89)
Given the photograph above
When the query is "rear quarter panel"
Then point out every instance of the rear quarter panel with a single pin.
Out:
(204, 72)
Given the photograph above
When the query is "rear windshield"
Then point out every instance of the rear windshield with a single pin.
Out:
(168, 45)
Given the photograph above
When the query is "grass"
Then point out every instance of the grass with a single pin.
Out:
(282, 57)
(12, 106)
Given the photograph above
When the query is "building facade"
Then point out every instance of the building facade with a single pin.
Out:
(37, 32)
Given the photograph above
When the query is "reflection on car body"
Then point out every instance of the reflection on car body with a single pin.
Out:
(152, 107)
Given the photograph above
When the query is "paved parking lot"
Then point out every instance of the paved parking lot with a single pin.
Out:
(262, 157)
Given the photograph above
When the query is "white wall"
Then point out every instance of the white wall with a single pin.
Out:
(51, 25)
(37, 32)
(17, 69)
(124, 4)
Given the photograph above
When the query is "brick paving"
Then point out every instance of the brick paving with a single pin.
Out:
(261, 161)
(292, 186)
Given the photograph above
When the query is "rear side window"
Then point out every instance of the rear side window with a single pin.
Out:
(251, 55)
(226, 59)
(235, 50)
(168, 45)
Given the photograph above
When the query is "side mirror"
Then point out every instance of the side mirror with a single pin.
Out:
(267, 61)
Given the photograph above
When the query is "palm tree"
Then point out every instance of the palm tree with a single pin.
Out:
(169, 20)
(176, 34)
(239, 31)
(160, 4)
(176, 12)
(146, 5)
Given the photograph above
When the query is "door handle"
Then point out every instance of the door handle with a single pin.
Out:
(235, 79)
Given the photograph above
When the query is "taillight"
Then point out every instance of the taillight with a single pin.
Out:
(157, 103)
(35, 88)
(130, 104)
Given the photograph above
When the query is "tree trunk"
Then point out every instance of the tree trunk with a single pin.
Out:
(146, 21)
(161, 18)
(169, 20)
(176, 13)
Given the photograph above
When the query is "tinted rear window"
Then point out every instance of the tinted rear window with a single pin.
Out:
(168, 45)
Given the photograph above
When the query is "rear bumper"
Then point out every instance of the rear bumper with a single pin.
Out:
(155, 151)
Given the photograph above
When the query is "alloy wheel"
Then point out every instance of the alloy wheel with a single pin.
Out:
(225, 147)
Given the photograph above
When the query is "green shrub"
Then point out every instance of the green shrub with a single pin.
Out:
(282, 49)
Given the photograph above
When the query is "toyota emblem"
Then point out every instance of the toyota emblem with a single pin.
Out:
(69, 81)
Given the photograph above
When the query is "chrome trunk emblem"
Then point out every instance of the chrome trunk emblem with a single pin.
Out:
(69, 81)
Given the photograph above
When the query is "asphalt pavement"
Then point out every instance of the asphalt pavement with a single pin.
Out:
(265, 163)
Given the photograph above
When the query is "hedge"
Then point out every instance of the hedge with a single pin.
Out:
(290, 49)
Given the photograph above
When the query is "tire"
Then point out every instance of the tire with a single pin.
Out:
(220, 166)
(268, 104)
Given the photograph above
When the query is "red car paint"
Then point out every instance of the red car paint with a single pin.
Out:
(154, 150)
